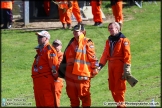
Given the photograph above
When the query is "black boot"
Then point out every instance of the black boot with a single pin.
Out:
(95, 24)
(69, 26)
(99, 24)
(63, 25)
(79, 23)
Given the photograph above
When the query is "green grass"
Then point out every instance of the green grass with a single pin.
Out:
(143, 30)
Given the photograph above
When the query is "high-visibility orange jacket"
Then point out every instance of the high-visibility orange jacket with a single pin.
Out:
(45, 61)
(72, 57)
(85, 59)
(84, 62)
(6, 4)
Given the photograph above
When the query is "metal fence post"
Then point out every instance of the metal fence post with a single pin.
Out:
(26, 12)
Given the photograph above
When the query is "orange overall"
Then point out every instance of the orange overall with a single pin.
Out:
(47, 7)
(97, 16)
(65, 17)
(80, 60)
(76, 11)
(43, 80)
(58, 83)
(117, 57)
(117, 10)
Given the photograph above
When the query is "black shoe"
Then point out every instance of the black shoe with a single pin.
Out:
(79, 23)
(95, 24)
(6, 27)
(63, 28)
(99, 24)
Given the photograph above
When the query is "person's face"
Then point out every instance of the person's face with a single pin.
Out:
(57, 46)
(77, 34)
(41, 39)
(113, 29)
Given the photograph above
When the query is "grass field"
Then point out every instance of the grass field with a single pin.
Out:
(143, 30)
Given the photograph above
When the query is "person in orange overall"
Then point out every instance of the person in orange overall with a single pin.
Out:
(6, 6)
(47, 7)
(117, 6)
(76, 11)
(44, 71)
(65, 12)
(96, 11)
(117, 53)
(78, 66)
(57, 44)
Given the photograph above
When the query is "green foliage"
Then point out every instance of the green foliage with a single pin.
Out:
(143, 30)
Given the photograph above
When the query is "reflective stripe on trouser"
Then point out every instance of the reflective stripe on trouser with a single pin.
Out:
(44, 91)
(78, 90)
(116, 84)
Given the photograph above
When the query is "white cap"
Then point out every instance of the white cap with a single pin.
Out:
(43, 33)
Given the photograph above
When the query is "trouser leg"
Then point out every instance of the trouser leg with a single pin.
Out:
(44, 91)
(84, 92)
(116, 84)
(72, 93)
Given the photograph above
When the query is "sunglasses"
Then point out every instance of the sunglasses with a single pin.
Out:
(40, 36)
